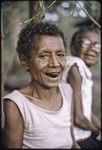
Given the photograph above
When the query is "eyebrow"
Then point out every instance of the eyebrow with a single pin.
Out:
(45, 51)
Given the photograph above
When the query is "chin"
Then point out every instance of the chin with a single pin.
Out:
(51, 85)
(90, 63)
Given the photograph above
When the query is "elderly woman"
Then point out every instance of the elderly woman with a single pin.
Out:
(85, 49)
(39, 115)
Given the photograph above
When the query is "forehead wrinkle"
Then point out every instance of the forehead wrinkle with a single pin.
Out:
(47, 51)
(49, 39)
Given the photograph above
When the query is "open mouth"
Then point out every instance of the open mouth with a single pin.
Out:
(53, 75)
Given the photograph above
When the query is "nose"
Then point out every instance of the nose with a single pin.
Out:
(53, 62)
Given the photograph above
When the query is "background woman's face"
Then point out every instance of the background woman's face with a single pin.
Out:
(90, 48)
(48, 61)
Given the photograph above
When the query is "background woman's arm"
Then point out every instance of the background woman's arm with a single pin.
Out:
(75, 144)
(96, 121)
(75, 80)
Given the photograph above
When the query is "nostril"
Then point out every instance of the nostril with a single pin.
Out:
(54, 62)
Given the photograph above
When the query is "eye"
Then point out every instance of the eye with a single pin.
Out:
(61, 54)
(86, 42)
(44, 56)
(97, 45)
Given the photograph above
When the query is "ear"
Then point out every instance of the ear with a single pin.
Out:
(24, 63)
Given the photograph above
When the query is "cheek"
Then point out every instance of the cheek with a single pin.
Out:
(62, 63)
(81, 51)
(97, 58)
(37, 66)
(35, 72)
(40, 64)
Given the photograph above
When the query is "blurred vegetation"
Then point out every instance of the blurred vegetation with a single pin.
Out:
(65, 14)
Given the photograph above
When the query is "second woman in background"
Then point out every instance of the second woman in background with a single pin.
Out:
(85, 50)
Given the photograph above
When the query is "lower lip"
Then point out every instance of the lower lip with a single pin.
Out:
(53, 78)
(90, 57)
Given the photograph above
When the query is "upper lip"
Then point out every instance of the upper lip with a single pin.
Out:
(90, 54)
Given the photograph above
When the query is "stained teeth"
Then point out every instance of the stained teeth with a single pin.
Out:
(53, 75)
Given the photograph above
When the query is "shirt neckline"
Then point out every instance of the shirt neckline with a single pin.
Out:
(43, 109)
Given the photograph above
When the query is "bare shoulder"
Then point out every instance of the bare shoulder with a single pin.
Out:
(74, 73)
(13, 127)
(74, 70)
(12, 112)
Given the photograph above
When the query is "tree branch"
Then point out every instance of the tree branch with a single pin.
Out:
(86, 12)
(42, 6)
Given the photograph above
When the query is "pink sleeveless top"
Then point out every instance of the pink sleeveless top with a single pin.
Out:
(44, 128)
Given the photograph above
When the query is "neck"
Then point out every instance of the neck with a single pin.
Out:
(43, 93)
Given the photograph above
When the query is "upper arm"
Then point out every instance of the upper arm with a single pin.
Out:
(13, 128)
(75, 80)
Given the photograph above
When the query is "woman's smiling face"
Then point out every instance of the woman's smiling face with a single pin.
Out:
(90, 48)
(47, 61)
